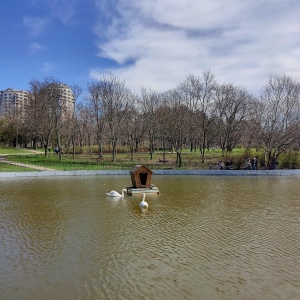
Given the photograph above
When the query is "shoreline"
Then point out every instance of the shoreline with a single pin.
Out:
(155, 172)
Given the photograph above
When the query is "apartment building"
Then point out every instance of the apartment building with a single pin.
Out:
(15, 101)
(67, 97)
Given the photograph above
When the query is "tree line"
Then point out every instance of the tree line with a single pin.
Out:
(199, 113)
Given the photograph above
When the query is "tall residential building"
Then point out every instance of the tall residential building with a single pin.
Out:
(67, 97)
(13, 101)
(16, 101)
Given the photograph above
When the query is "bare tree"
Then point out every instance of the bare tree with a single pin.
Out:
(115, 101)
(150, 102)
(231, 110)
(34, 114)
(97, 108)
(199, 96)
(47, 111)
(164, 127)
(279, 116)
(11, 125)
(250, 125)
(177, 116)
(134, 126)
(61, 107)
(76, 89)
(43, 109)
(189, 99)
(87, 129)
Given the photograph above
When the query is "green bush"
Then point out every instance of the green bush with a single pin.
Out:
(240, 160)
(289, 160)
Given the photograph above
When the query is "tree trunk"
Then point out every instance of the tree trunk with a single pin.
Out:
(151, 151)
(73, 149)
(46, 149)
(131, 153)
(34, 144)
(114, 151)
(100, 151)
(178, 154)
(59, 147)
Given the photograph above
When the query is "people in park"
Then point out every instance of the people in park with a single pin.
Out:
(254, 163)
(221, 165)
(57, 150)
(248, 164)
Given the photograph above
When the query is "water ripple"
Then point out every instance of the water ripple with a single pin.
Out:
(202, 238)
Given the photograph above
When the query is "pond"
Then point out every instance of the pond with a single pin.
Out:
(203, 237)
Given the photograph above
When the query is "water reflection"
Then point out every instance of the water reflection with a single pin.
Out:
(201, 238)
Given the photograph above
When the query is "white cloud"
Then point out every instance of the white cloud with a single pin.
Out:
(34, 48)
(47, 67)
(35, 24)
(62, 9)
(157, 43)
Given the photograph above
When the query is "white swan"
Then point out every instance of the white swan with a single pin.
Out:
(144, 204)
(116, 194)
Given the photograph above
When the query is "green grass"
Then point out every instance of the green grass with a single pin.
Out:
(190, 160)
(82, 162)
(11, 151)
(11, 168)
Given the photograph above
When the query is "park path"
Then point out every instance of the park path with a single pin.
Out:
(3, 160)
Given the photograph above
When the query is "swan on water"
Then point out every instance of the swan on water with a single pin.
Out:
(144, 203)
(116, 194)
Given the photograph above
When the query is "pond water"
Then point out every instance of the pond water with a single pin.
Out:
(203, 237)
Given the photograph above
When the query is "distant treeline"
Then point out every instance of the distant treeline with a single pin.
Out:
(199, 113)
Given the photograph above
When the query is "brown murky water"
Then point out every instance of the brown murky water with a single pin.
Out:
(202, 238)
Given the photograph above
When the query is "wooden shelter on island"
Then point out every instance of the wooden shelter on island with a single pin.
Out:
(141, 177)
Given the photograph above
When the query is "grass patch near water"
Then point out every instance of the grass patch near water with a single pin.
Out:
(190, 160)
(12, 151)
(4, 167)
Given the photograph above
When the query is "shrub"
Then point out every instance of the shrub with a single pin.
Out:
(289, 160)
(239, 160)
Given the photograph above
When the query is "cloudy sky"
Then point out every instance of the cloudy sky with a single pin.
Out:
(148, 43)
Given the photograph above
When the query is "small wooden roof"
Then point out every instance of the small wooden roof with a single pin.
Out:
(140, 169)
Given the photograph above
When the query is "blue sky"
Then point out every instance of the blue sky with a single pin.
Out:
(148, 43)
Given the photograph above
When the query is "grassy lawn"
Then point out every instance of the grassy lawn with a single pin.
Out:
(12, 151)
(11, 168)
(190, 160)
(83, 162)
